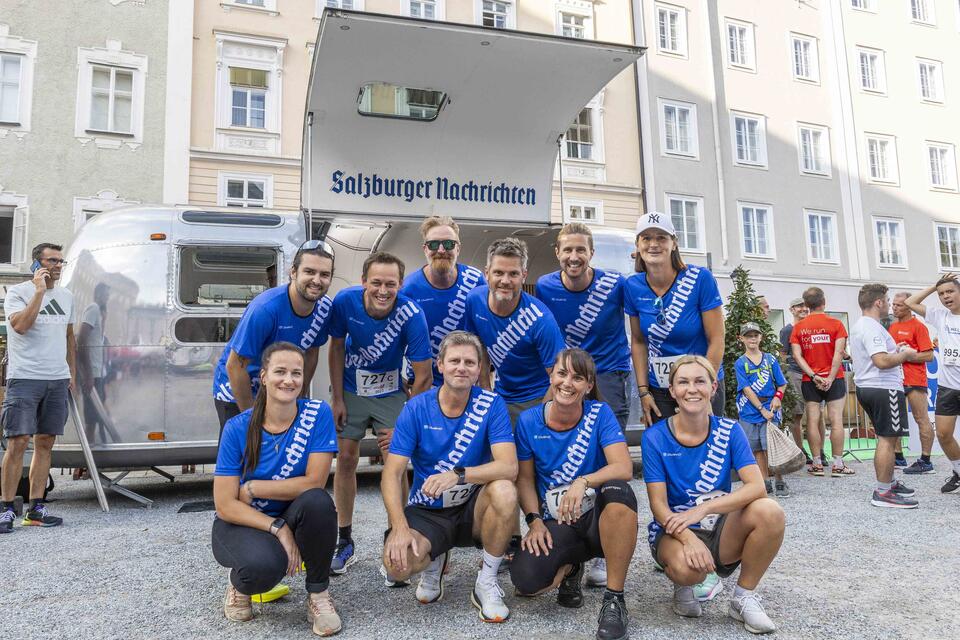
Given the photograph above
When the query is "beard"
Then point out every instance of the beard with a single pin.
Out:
(306, 294)
(441, 265)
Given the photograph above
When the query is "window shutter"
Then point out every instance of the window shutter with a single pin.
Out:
(18, 250)
(248, 77)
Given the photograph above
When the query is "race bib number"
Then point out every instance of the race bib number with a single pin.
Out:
(457, 494)
(710, 520)
(661, 369)
(554, 496)
(950, 356)
(377, 384)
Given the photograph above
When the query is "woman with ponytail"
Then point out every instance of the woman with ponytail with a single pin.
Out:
(272, 509)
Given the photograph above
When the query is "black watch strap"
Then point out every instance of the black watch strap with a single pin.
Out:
(461, 475)
(533, 515)
(276, 525)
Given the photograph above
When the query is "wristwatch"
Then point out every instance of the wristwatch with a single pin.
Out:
(461, 475)
(533, 515)
(276, 525)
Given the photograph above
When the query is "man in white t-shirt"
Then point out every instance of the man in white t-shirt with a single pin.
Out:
(879, 376)
(946, 320)
(40, 374)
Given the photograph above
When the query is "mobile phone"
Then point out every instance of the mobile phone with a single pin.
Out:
(36, 265)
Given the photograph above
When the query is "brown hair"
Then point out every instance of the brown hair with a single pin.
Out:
(438, 221)
(692, 359)
(460, 339)
(575, 228)
(38, 250)
(949, 279)
(814, 298)
(251, 452)
(581, 362)
(382, 257)
(508, 247)
(870, 293)
(676, 260)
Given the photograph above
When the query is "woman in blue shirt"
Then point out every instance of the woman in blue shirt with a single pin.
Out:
(272, 510)
(700, 524)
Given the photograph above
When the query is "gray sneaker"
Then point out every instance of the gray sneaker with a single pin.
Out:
(893, 500)
(781, 489)
(685, 603)
(748, 610)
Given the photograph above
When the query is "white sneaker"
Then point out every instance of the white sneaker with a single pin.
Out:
(597, 573)
(748, 610)
(390, 582)
(430, 587)
(685, 602)
(487, 597)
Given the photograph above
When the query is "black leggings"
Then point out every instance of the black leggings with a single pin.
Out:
(572, 543)
(668, 406)
(257, 558)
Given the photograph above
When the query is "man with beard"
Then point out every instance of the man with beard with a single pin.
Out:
(441, 287)
(298, 313)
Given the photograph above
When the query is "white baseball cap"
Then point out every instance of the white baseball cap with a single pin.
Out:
(656, 220)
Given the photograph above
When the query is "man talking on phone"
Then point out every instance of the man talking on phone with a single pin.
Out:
(41, 372)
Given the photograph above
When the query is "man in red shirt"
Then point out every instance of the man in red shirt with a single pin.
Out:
(818, 343)
(910, 331)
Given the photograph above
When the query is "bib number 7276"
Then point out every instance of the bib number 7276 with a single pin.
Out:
(554, 496)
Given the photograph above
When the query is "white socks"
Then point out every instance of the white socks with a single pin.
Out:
(490, 567)
(838, 461)
(956, 466)
(740, 592)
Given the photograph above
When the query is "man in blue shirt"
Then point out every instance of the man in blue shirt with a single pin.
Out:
(298, 313)
(520, 333)
(588, 306)
(372, 328)
(441, 287)
(464, 464)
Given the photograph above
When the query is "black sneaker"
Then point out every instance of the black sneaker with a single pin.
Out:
(952, 485)
(7, 516)
(570, 594)
(612, 621)
(902, 490)
(38, 516)
(900, 463)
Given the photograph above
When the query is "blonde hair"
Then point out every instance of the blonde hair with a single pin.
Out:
(573, 229)
(438, 221)
(692, 359)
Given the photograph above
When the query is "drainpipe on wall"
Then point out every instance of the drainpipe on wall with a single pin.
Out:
(641, 94)
(716, 89)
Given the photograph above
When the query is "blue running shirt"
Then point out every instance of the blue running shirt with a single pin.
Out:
(560, 457)
(690, 472)
(521, 346)
(591, 319)
(267, 319)
(763, 378)
(444, 308)
(681, 330)
(282, 456)
(375, 348)
(436, 443)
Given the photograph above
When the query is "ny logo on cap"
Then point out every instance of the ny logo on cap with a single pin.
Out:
(654, 217)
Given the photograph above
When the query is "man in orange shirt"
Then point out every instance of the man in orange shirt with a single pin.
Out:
(818, 343)
(910, 331)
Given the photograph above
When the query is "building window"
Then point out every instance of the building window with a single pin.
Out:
(572, 25)
(111, 99)
(580, 136)
(16, 81)
(814, 149)
(864, 5)
(339, 4)
(872, 72)
(112, 84)
(948, 242)
(590, 212)
(86, 208)
(671, 29)
(740, 45)
(890, 242)
(749, 135)
(882, 158)
(13, 229)
(425, 9)
(930, 75)
(497, 14)
(248, 89)
(245, 190)
(806, 58)
(923, 11)
(821, 236)
(10, 70)
(678, 131)
(756, 230)
(268, 5)
(942, 164)
(686, 213)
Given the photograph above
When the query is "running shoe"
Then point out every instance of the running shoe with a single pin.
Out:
(781, 489)
(597, 573)
(389, 582)
(7, 516)
(322, 615)
(902, 490)
(952, 485)
(430, 587)
(918, 467)
(709, 588)
(613, 620)
(893, 500)
(487, 597)
(39, 516)
(748, 610)
(570, 594)
(237, 606)
(685, 603)
(900, 462)
(768, 486)
(343, 557)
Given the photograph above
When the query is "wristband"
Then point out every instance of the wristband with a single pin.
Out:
(586, 481)
(533, 515)
(249, 486)
(642, 394)
(778, 395)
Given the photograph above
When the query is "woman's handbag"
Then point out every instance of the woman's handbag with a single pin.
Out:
(783, 454)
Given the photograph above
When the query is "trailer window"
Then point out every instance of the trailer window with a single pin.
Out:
(391, 101)
(194, 330)
(216, 276)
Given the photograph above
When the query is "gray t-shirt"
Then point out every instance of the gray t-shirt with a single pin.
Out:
(93, 349)
(41, 352)
(787, 351)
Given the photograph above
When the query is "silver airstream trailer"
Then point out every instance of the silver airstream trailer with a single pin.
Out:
(427, 118)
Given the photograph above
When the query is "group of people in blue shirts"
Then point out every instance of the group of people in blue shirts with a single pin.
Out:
(500, 400)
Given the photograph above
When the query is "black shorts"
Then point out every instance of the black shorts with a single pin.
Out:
(572, 543)
(445, 528)
(711, 539)
(948, 402)
(908, 390)
(887, 410)
(812, 394)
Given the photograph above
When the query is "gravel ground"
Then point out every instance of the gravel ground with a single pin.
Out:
(846, 570)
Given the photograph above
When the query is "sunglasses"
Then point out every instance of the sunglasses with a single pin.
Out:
(312, 245)
(658, 305)
(54, 261)
(434, 245)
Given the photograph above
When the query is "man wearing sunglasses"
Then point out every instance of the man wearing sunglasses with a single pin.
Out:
(298, 312)
(441, 287)
(40, 374)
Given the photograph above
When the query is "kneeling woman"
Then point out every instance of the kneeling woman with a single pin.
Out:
(699, 526)
(272, 510)
(572, 484)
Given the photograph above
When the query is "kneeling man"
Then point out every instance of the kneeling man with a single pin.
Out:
(464, 464)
